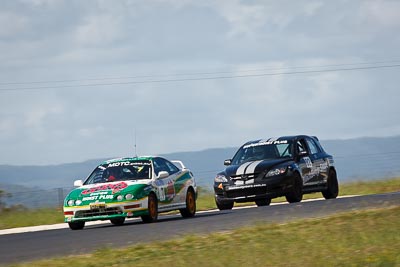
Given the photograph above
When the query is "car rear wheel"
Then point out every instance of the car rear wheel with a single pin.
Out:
(263, 202)
(76, 225)
(152, 209)
(118, 221)
(332, 190)
(190, 209)
(296, 193)
(224, 205)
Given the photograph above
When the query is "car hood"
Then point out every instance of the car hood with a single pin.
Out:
(108, 192)
(250, 167)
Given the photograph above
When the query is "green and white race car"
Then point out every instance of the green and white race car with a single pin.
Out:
(131, 187)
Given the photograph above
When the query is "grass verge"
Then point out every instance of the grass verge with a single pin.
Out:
(365, 238)
(26, 217)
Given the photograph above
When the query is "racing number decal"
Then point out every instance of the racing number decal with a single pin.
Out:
(166, 191)
(161, 193)
(308, 162)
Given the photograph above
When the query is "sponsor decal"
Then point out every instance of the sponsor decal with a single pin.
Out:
(114, 187)
(245, 186)
(97, 197)
(264, 143)
(323, 166)
(127, 163)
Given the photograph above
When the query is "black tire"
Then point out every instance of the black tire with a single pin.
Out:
(152, 209)
(76, 225)
(263, 202)
(296, 194)
(190, 209)
(332, 190)
(224, 206)
(118, 221)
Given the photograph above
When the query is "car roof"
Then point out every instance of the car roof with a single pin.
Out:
(289, 138)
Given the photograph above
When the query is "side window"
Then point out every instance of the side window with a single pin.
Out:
(301, 146)
(171, 167)
(284, 150)
(312, 146)
(163, 165)
(157, 166)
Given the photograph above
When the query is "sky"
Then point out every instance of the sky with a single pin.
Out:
(83, 79)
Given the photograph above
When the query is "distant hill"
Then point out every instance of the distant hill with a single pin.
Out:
(356, 159)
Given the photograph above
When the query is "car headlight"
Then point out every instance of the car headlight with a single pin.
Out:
(276, 171)
(78, 202)
(128, 196)
(120, 197)
(71, 202)
(220, 179)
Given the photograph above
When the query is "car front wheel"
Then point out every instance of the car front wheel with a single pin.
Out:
(296, 193)
(152, 209)
(76, 225)
(118, 221)
(224, 205)
(190, 209)
(263, 202)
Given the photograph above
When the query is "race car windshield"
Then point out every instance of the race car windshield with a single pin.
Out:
(262, 151)
(120, 171)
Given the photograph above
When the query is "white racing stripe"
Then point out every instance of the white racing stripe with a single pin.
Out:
(253, 166)
(242, 167)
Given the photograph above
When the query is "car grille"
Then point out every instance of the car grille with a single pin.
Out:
(97, 212)
(246, 192)
(244, 176)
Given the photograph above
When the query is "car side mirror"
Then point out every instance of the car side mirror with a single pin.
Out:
(78, 183)
(162, 174)
(227, 162)
(303, 153)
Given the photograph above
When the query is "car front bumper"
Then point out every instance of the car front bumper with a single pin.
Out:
(265, 188)
(106, 212)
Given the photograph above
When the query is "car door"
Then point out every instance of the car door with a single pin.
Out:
(305, 161)
(165, 185)
(319, 159)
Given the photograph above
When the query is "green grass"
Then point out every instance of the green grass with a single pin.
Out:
(205, 201)
(30, 217)
(364, 238)
(370, 187)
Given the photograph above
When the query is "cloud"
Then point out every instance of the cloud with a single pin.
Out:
(99, 31)
(37, 115)
(90, 132)
(15, 25)
(381, 13)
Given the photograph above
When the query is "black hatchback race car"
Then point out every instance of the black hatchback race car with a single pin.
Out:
(288, 166)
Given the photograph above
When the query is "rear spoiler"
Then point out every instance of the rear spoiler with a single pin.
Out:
(179, 164)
